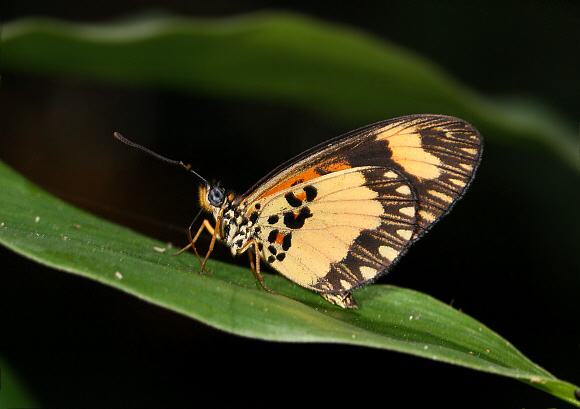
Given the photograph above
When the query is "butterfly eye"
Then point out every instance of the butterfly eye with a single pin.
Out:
(215, 196)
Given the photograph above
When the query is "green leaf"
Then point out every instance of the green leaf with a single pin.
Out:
(342, 72)
(15, 392)
(51, 232)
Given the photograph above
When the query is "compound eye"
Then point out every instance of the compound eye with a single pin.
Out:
(215, 196)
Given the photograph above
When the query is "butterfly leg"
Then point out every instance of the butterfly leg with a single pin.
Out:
(251, 257)
(211, 243)
(344, 300)
(256, 265)
(204, 226)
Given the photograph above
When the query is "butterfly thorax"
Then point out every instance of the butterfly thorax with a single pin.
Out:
(234, 226)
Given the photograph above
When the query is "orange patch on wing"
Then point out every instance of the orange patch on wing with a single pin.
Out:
(280, 238)
(308, 174)
(301, 196)
(335, 167)
(305, 176)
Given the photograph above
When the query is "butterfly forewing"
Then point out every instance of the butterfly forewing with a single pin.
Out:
(439, 155)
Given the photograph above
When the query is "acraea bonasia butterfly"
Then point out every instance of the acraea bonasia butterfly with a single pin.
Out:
(342, 213)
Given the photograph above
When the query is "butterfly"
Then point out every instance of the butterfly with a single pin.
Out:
(339, 215)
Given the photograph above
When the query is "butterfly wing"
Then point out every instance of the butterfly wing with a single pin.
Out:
(339, 231)
(439, 154)
(341, 213)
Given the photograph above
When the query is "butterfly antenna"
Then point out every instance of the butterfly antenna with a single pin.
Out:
(158, 156)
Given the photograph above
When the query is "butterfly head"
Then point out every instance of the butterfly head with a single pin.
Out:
(213, 197)
(216, 200)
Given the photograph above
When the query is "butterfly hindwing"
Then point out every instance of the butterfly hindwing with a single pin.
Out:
(341, 230)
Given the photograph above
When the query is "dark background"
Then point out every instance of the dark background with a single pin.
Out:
(507, 254)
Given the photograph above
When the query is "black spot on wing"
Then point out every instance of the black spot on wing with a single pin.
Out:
(311, 193)
(287, 241)
(292, 200)
(296, 221)
(272, 236)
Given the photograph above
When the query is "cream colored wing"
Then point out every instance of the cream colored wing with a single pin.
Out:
(338, 231)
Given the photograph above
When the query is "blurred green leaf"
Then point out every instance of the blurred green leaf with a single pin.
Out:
(351, 75)
(49, 231)
(14, 393)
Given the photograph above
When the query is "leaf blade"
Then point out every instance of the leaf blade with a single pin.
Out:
(51, 232)
(277, 56)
